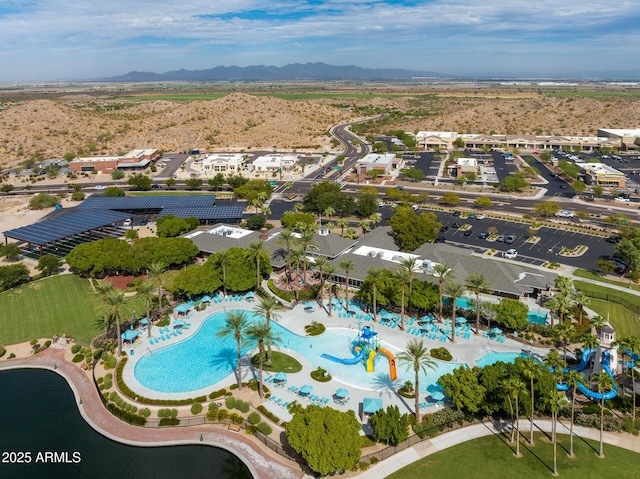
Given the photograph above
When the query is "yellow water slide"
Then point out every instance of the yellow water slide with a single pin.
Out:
(372, 356)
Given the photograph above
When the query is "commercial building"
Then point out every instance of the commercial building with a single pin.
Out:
(135, 160)
(626, 139)
(599, 174)
(275, 162)
(222, 163)
(375, 161)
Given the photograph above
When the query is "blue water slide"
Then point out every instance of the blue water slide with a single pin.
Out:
(634, 360)
(353, 360)
(584, 361)
(595, 395)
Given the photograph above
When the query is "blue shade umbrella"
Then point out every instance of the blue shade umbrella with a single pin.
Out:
(182, 308)
(144, 321)
(205, 299)
(371, 405)
(428, 318)
(496, 331)
(306, 389)
(461, 320)
(342, 393)
(179, 322)
(281, 376)
(129, 335)
(437, 395)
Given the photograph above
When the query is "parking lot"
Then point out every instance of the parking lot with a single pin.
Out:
(424, 162)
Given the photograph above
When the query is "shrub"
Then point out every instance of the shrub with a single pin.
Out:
(77, 196)
(366, 441)
(11, 356)
(254, 418)
(236, 418)
(442, 354)
(264, 428)
(146, 412)
(169, 421)
(213, 408)
(3, 351)
(78, 358)
(223, 414)
(75, 348)
(269, 414)
(97, 354)
(242, 406)
(321, 375)
(611, 423)
(230, 402)
(196, 408)
(446, 417)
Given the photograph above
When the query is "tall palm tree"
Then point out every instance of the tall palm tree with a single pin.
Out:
(342, 224)
(156, 271)
(441, 271)
(565, 303)
(581, 300)
(269, 307)
(223, 257)
(296, 259)
(321, 263)
(573, 379)
(605, 383)
(260, 332)
(634, 349)
(553, 304)
(590, 341)
(564, 284)
(347, 265)
(365, 225)
(329, 271)
(453, 290)
(145, 289)
(514, 387)
(623, 343)
(374, 274)
(554, 399)
(476, 283)
(532, 371)
(286, 238)
(403, 276)
(257, 249)
(307, 241)
(329, 212)
(555, 363)
(235, 326)
(410, 263)
(416, 356)
(115, 301)
(102, 288)
(566, 332)
(375, 218)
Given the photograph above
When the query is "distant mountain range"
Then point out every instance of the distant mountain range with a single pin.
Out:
(295, 71)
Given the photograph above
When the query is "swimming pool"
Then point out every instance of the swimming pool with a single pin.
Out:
(493, 357)
(461, 303)
(537, 317)
(204, 360)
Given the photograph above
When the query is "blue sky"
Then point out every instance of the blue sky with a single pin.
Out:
(63, 39)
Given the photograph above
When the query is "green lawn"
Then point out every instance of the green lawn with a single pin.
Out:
(55, 305)
(623, 320)
(492, 457)
(583, 273)
(279, 362)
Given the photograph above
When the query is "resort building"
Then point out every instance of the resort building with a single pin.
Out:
(135, 160)
(275, 162)
(375, 161)
(222, 163)
(599, 174)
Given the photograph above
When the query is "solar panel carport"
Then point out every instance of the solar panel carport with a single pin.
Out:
(65, 226)
(149, 203)
(228, 214)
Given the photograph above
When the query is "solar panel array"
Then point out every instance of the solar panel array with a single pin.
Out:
(71, 224)
(149, 202)
(217, 213)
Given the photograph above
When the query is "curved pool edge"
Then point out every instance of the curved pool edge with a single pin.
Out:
(260, 464)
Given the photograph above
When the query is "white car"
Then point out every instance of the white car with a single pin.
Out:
(415, 207)
(127, 222)
(564, 214)
(380, 204)
(510, 254)
(480, 216)
(621, 199)
(99, 187)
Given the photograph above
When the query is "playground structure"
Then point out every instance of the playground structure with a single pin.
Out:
(366, 349)
(606, 357)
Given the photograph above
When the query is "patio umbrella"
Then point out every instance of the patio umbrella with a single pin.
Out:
(428, 318)
(179, 322)
(306, 389)
(144, 321)
(182, 308)
(437, 395)
(461, 320)
(205, 299)
(129, 335)
(496, 331)
(371, 405)
(281, 376)
(342, 393)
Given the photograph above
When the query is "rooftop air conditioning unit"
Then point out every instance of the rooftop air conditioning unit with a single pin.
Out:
(380, 254)
(323, 231)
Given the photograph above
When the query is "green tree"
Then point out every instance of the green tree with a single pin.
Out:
(367, 205)
(546, 208)
(441, 271)
(450, 198)
(598, 191)
(511, 313)
(463, 390)
(257, 250)
(140, 182)
(328, 439)
(412, 230)
(403, 276)
(102, 289)
(117, 175)
(260, 332)
(48, 264)
(390, 426)
(566, 333)
(217, 181)
(328, 194)
(113, 192)
(195, 280)
(453, 290)
(171, 183)
(514, 183)
(236, 325)
(579, 187)
(156, 271)
(193, 183)
(604, 383)
(532, 371)
(42, 201)
(115, 302)
(269, 307)
(514, 387)
(416, 356)
(554, 400)
(11, 251)
(477, 283)
(413, 174)
(373, 275)
(292, 219)
(13, 276)
(573, 379)
(347, 266)
(483, 202)
(146, 289)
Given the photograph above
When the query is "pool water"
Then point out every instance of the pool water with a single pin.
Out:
(537, 317)
(204, 360)
(493, 357)
(461, 303)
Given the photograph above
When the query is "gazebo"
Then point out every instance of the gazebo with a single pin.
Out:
(370, 406)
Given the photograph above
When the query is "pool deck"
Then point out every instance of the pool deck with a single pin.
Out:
(463, 351)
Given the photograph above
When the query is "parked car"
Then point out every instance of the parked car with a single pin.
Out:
(99, 187)
(483, 235)
(127, 222)
(480, 216)
(510, 254)
(456, 213)
(510, 239)
(415, 207)
(500, 238)
(456, 225)
(472, 216)
(613, 239)
(621, 199)
(143, 221)
(380, 204)
(444, 229)
(155, 187)
(468, 232)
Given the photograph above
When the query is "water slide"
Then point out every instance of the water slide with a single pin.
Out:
(392, 363)
(584, 362)
(634, 360)
(372, 357)
(354, 360)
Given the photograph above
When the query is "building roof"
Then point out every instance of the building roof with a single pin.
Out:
(130, 203)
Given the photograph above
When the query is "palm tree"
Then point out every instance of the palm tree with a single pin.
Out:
(573, 378)
(402, 275)
(531, 371)
(454, 291)
(476, 283)
(329, 271)
(375, 219)
(115, 301)
(329, 212)
(307, 241)
(553, 304)
(347, 265)
(514, 387)
(269, 308)
(145, 289)
(321, 263)
(102, 288)
(156, 270)
(605, 383)
(590, 341)
(260, 332)
(416, 356)
(223, 257)
(555, 363)
(634, 349)
(440, 272)
(554, 400)
(257, 249)
(581, 300)
(565, 303)
(365, 225)
(410, 263)
(623, 343)
(374, 274)
(286, 238)
(235, 326)
(566, 332)
(564, 284)
(342, 224)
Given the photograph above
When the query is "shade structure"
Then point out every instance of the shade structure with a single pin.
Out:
(342, 393)
(182, 308)
(205, 299)
(461, 320)
(437, 395)
(428, 318)
(281, 376)
(179, 322)
(305, 390)
(436, 392)
(250, 294)
(144, 321)
(371, 405)
(129, 335)
(496, 331)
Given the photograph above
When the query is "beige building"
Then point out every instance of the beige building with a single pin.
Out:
(599, 174)
(222, 163)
